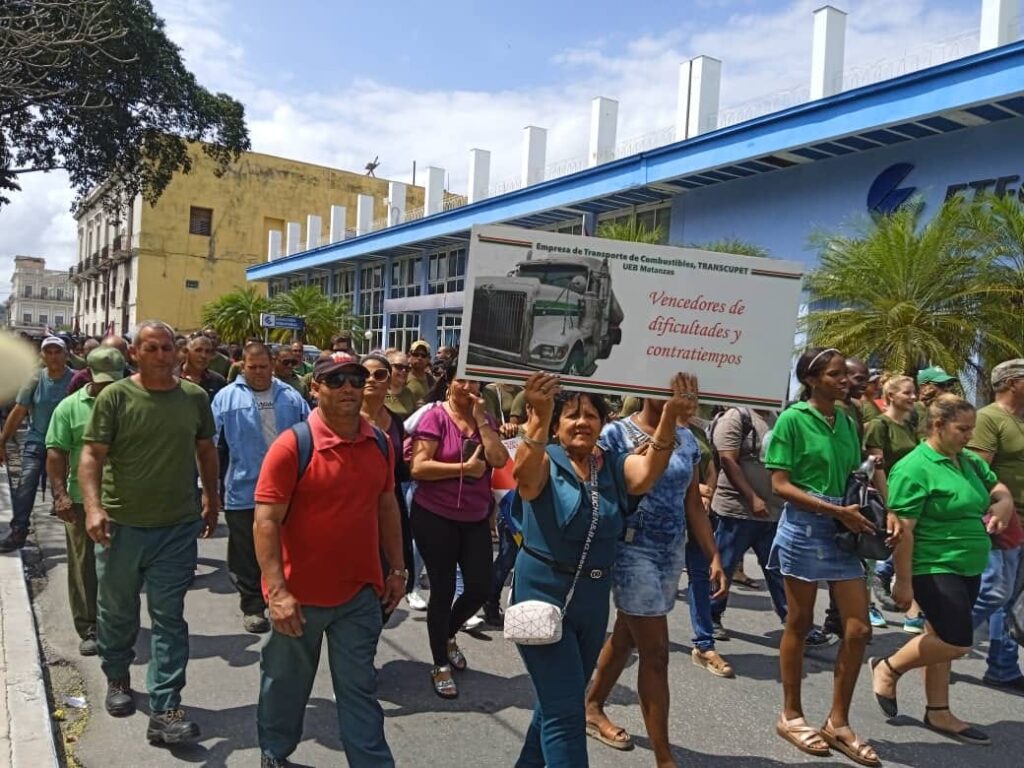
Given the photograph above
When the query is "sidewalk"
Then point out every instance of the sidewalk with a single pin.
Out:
(26, 737)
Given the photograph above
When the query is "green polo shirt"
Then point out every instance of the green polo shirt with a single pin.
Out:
(818, 458)
(67, 425)
(1002, 434)
(893, 439)
(948, 502)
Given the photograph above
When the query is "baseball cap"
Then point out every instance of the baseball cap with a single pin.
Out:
(874, 374)
(1008, 371)
(50, 341)
(420, 344)
(106, 364)
(934, 375)
(338, 361)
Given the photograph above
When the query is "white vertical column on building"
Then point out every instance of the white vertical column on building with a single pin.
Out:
(683, 101)
(604, 119)
(535, 149)
(705, 87)
(396, 203)
(293, 231)
(274, 245)
(433, 199)
(313, 224)
(364, 214)
(337, 223)
(479, 174)
(999, 23)
(827, 52)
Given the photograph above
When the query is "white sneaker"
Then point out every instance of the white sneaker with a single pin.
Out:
(472, 624)
(416, 601)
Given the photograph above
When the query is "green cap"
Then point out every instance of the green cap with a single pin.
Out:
(934, 375)
(106, 364)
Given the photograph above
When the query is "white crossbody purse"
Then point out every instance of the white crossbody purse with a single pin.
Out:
(538, 622)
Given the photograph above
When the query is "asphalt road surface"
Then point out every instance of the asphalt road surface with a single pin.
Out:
(715, 723)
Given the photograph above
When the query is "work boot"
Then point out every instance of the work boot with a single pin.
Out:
(88, 647)
(269, 761)
(493, 615)
(171, 727)
(256, 623)
(119, 701)
(15, 539)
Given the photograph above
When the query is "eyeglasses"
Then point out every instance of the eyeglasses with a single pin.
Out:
(401, 367)
(338, 380)
(380, 374)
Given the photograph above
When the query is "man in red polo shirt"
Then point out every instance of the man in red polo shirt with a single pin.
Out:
(318, 541)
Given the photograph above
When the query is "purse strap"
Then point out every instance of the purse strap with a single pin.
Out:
(595, 505)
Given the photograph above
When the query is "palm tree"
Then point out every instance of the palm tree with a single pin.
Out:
(734, 245)
(323, 317)
(908, 294)
(631, 230)
(236, 315)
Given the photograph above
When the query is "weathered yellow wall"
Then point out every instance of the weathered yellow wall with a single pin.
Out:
(257, 194)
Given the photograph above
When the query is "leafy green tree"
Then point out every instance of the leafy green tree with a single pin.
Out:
(236, 315)
(96, 88)
(734, 245)
(909, 294)
(323, 317)
(631, 230)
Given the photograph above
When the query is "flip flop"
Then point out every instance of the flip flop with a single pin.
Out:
(746, 581)
(623, 745)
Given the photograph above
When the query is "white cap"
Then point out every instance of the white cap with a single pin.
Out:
(51, 340)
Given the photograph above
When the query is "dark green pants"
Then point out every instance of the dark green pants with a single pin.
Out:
(164, 559)
(81, 574)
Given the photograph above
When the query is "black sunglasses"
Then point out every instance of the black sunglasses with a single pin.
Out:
(339, 379)
(289, 362)
(401, 367)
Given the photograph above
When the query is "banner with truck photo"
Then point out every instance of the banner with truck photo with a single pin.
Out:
(621, 318)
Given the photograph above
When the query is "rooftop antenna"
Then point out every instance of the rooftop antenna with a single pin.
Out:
(372, 166)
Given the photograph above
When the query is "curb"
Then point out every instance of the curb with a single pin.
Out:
(26, 734)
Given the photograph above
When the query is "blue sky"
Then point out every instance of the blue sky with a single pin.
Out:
(338, 83)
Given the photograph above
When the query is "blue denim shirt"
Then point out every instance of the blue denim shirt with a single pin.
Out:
(238, 423)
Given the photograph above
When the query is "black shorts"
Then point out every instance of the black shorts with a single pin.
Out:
(947, 600)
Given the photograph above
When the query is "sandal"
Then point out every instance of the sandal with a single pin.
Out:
(887, 703)
(860, 752)
(456, 657)
(445, 688)
(744, 580)
(613, 736)
(802, 736)
(969, 735)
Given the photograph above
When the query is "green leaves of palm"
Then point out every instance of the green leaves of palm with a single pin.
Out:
(236, 315)
(323, 317)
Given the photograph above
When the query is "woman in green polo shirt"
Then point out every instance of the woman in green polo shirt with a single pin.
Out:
(950, 501)
(813, 450)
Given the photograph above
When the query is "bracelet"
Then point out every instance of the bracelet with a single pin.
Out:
(534, 443)
(658, 446)
(404, 574)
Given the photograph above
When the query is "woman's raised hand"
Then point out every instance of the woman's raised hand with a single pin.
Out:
(541, 389)
(683, 404)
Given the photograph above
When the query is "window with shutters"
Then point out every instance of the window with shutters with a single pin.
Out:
(200, 221)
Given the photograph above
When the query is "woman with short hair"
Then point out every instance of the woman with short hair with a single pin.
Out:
(943, 494)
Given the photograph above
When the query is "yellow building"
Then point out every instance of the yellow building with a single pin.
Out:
(167, 260)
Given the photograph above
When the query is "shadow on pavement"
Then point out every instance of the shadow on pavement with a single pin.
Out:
(406, 685)
(240, 650)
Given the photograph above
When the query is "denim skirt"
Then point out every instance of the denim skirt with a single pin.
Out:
(645, 576)
(805, 547)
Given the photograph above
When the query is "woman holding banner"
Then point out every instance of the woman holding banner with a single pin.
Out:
(645, 577)
(813, 450)
(574, 504)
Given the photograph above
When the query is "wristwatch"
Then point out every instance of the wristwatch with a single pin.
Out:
(404, 574)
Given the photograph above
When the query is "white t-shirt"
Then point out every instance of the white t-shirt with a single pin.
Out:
(265, 406)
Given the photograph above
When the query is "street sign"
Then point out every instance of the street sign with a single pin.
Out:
(290, 322)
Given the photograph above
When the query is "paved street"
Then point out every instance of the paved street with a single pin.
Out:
(715, 723)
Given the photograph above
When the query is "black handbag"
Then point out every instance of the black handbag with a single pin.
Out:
(859, 491)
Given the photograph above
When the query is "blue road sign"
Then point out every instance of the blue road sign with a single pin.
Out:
(290, 322)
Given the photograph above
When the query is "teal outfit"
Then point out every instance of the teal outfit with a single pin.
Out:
(555, 525)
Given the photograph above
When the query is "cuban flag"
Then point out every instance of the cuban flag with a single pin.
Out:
(503, 486)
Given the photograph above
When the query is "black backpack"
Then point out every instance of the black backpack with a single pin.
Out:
(304, 442)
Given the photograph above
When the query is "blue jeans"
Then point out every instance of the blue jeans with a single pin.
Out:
(288, 666)
(885, 569)
(698, 594)
(33, 464)
(997, 585)
(734, 536)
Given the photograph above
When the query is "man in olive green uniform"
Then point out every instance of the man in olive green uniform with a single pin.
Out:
(286, 363)
(146, 435)
(420, 381)
(931, 382)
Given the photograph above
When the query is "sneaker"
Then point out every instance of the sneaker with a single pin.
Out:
(712, 662)
(88, 647)
(15, 540)
(882, 591)
(914, 624)
(1013, 686)
(494, 616)
(876, 617)
(171, 727)
(472, 623)
(119, 701)
(416, 601)
(718, 631)
(816, 638)
(269, 761)
(256, 623)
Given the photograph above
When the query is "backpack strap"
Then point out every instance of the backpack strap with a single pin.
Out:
(304, 444)
(382, 441)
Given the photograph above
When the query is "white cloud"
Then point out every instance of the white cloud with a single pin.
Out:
(763, 53)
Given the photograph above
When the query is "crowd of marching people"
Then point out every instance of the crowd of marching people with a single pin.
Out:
(347, 481)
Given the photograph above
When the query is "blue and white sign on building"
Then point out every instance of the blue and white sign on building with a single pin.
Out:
(288, 322)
